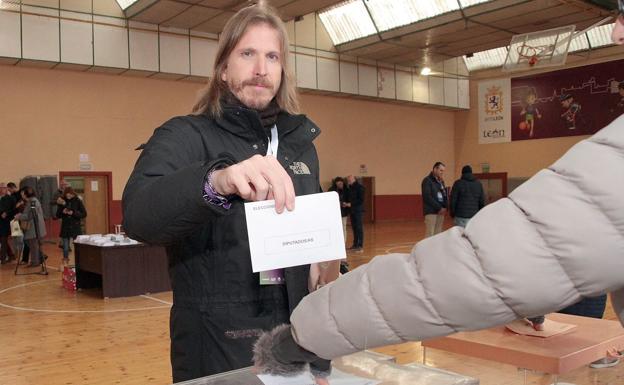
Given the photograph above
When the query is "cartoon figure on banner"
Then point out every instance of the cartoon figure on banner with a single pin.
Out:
(530, 112)
(572, 113)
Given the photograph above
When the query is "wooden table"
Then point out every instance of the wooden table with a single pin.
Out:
(122, 271)
(559, 354)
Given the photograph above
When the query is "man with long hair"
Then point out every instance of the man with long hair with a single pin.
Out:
(244, 142)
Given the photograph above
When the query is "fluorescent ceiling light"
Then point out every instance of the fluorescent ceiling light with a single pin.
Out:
(124, 4)
(425, 71)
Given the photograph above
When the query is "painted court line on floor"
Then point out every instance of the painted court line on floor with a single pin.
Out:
(20, 308)
(157, 299)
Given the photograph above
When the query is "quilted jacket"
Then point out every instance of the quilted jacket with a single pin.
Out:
(556, 239)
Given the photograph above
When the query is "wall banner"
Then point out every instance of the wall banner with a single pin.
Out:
(494, 111)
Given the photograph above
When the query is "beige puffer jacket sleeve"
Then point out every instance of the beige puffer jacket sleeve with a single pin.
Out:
(558, 238)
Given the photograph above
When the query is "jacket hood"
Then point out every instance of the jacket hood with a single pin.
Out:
(469, 177)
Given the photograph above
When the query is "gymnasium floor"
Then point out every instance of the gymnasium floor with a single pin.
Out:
(52, 336)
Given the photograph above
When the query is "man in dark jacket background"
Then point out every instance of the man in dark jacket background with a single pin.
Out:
(339, 186)
(435, 199)
(356, 204)
(467, 197)
(245, 142)
(6, 215)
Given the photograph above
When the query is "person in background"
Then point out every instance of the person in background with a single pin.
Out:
(16, 193)
(58, 196)
(356, 206)
(34, 226)
(71, 211)
(467, 197)
(6, 215)
(435, 199)
(339, 186)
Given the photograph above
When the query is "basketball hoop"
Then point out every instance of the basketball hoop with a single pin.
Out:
(546, 48)
(538, 49)
(532, 54)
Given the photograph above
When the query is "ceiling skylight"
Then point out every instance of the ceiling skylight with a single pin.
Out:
(600, 36)
(347, 21)
(389, 14)
(124, 4)
(486, 59)
(351, 20)
(579, 43)
(470, 3)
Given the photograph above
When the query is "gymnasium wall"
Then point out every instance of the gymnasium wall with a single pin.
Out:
(49, 117)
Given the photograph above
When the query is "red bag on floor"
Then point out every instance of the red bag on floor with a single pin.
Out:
(69, 278)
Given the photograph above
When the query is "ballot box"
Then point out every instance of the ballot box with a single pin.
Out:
(363, 368)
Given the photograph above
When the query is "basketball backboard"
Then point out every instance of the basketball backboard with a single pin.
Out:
(539, 49)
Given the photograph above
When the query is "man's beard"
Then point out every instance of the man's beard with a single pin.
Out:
(251, 99)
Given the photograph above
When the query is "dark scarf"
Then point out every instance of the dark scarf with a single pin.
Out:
(268, 116)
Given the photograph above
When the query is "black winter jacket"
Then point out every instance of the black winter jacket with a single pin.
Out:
(343, 197)
(356, 197)
(208, 248)
(70, 224)
(467, 196)
(434, 195)
(7, 205)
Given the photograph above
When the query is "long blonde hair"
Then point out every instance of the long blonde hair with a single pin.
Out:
(286, 97)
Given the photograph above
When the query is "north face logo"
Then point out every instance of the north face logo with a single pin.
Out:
(300, 168)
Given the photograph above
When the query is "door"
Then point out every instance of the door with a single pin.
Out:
(369, 202)
(94, 191)
(494, 185)
(96, 203)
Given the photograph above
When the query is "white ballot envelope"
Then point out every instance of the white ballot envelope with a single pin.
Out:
(311, 233)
